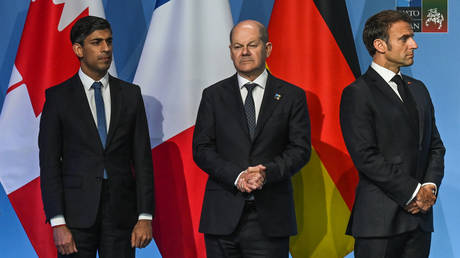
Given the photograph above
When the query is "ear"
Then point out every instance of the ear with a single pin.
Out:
(380, 45)
(78, 50)
(268, 48)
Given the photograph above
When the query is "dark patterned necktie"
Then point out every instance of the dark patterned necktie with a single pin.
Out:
(249, 108)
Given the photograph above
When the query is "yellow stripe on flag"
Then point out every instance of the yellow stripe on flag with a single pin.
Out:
(322, 214)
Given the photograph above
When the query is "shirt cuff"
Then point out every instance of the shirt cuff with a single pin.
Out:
(238, 177)
(435, 186)
(57, 220)
(414, 194)
(145, 216)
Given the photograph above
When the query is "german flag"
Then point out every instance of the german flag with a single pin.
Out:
(313, 47)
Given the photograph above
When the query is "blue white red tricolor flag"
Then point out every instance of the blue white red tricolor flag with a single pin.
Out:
(185, 51)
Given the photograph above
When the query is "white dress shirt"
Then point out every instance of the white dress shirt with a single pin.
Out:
(257, 92)
(257, 95)
(387, 75)
(89, 91)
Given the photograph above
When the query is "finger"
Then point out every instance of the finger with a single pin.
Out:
(133, 239)
(61, 250)
(66, 248)
(73, 247)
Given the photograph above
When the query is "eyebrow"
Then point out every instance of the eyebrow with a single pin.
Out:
(406, 36)
(100, 39)
(251, 42)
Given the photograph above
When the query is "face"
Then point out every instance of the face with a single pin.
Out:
(399, 51)
(247, 50)
(96, 53)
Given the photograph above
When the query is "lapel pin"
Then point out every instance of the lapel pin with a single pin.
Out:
(277, 96)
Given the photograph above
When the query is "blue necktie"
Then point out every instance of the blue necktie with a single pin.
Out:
(100, 111)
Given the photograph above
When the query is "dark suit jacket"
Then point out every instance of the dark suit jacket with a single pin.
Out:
(390, 153)
(72, 158)
(222, 148)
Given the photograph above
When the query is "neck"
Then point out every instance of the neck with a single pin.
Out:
(385, 63)
(95, 75)
(251, 76)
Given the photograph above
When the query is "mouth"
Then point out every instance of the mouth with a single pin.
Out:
(105, 59)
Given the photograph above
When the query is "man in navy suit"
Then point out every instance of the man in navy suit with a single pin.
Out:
(252, 134)
(95, 159)
(389, 128)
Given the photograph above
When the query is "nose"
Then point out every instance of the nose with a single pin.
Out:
(413, 44)
(245, 51)
(106, 46)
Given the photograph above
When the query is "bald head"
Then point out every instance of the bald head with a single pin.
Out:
(248, 24)
(249, 47)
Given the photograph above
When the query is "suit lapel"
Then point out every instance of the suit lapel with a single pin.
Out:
(419, 107)
(383, 87)
(82, 105)
(115, 106)
(268, 104)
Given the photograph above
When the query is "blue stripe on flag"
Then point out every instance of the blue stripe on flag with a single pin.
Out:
(160, 3)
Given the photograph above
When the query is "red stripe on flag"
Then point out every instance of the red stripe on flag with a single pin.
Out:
(14, 86)
(179, 191)
(305, 53)
(27, 203)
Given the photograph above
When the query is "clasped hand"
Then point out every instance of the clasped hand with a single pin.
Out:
(423, 201)
(251, 179)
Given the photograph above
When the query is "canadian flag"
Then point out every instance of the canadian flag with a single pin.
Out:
(44, 58)
(186, 50)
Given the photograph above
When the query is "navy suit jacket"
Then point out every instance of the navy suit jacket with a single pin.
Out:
(72, 157)
(391, 153)
(223, 148)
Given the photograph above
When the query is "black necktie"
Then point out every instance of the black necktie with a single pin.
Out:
(408, 102)
(250, 109)
(401, 89)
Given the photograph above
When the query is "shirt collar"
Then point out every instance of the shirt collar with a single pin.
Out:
(261, 80)
(88, 81)
(386, 74)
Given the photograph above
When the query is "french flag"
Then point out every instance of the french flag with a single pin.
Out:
(186, 50)
(45, 58)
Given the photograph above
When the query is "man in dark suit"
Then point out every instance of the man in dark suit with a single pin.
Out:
(389, 128)
(252, 134)
(95, 159)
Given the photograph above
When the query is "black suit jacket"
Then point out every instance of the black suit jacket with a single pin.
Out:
(72, 158)
(222, 148)
(390, 153)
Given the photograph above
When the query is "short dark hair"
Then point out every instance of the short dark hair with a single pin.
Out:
(378, 25)
(87, 25)
(263, 33)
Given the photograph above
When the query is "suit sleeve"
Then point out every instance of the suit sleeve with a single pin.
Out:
(204, 146)
(50, 145)
(142, 158)
(435, 168)
(359, 133)
(297, 151)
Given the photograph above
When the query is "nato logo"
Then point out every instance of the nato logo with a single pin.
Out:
(427, 15)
